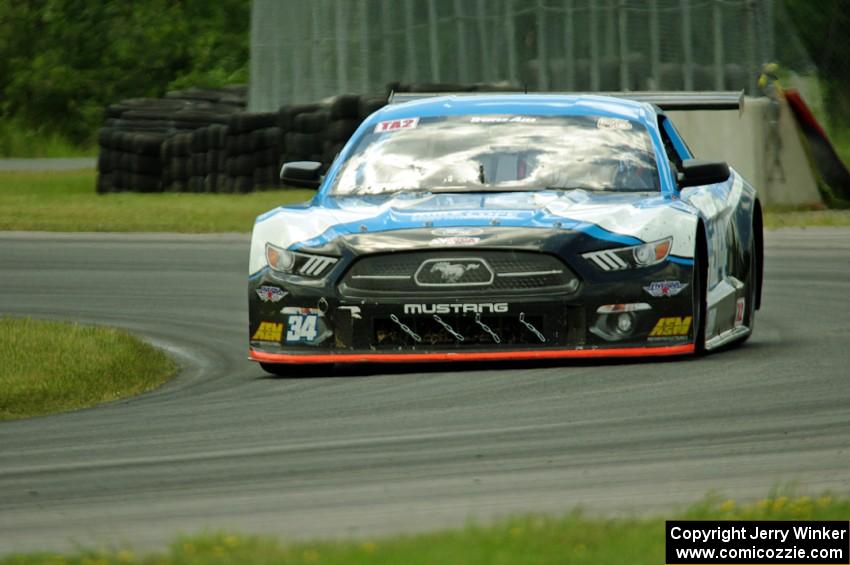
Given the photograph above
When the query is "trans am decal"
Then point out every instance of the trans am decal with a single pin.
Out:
(271, 293)
(502, 119)
(613, 123)
(665, 288)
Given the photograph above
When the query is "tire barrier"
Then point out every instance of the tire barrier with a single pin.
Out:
(173, 143)
(252, 144)
(203, 140)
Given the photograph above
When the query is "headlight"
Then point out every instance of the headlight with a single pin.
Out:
(642, 255)
(652, 253)
(293, 262)
(279, 259)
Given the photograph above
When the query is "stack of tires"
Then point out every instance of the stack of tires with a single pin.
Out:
(175, 156)
(253, 145)
(129, 157)
(130, 160)
(304, 126)
(133, 152)
(206, 161)
(344, 113)
(234, 96)
(344, 118)
(446, 87)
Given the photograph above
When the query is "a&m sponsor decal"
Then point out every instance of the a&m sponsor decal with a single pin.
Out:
(672, 326)
(268, 331)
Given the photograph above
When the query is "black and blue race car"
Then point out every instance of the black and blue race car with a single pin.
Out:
(509, 226)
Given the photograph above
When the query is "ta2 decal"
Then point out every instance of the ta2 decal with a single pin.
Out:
(394, 125)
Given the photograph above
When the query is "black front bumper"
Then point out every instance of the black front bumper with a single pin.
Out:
(466, 321)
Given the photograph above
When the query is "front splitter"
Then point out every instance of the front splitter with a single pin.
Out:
(522, 355)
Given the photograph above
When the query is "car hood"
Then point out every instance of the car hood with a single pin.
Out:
(406, 221)
(494, 205)
(528, 209)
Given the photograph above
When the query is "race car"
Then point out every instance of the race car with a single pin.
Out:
(509, 227)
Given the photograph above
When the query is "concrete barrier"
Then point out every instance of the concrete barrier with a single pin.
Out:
(744, 141)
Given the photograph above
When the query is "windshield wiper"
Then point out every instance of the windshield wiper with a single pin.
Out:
(476, 189)
(587, 188)
(602, 188)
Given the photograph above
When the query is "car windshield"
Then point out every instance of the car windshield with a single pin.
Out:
(495, 153)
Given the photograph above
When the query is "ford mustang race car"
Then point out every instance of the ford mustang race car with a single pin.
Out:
(509, 226)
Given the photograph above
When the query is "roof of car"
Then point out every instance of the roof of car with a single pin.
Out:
(520, 104)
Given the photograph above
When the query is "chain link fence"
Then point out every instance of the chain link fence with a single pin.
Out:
(306, 51)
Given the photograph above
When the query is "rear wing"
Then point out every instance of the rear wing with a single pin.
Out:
(672, 101)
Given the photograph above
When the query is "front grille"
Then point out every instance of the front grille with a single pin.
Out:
(448, 330)
(427, 272)
(454, 271)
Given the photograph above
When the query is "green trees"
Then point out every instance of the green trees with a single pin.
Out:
(62, 61)
(823, 28)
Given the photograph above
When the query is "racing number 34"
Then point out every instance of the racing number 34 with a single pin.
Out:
(301, 328)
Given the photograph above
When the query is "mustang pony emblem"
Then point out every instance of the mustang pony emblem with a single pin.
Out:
(453, 272)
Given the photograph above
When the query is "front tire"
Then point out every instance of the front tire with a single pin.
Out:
(751, 284)
(698, 282)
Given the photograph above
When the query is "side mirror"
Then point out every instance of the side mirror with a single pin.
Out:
(301, 174)
(696, 172)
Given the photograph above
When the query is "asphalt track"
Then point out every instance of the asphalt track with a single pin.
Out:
(387, 449)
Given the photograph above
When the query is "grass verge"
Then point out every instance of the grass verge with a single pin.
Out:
(66, 201)
(20, 141)
(806, 218)
(48, 367)
(840, 138)
(574, 538)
